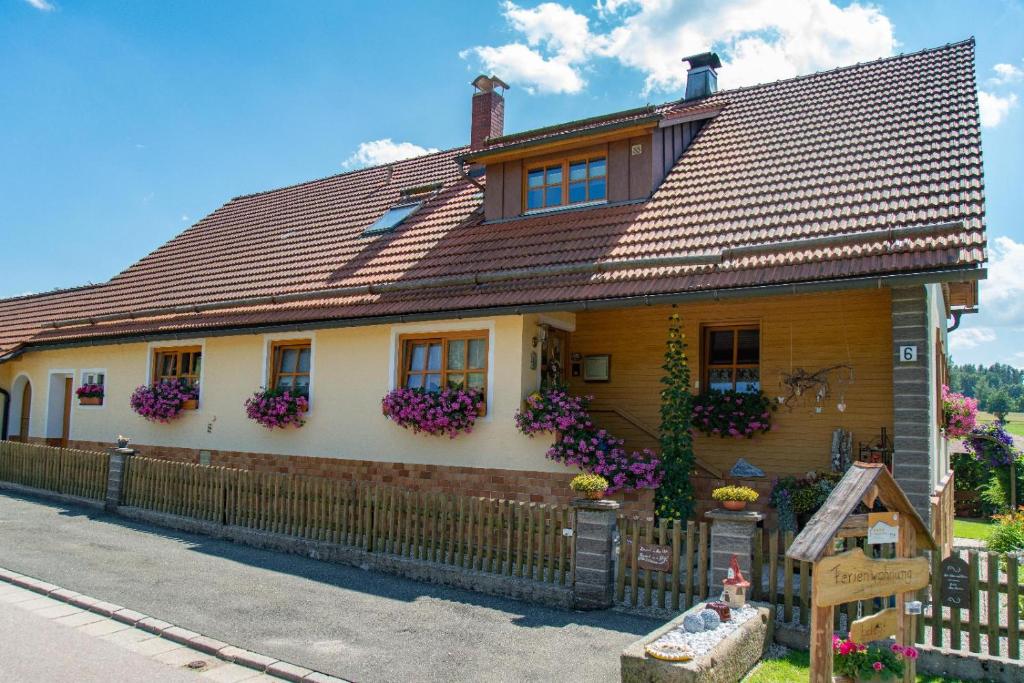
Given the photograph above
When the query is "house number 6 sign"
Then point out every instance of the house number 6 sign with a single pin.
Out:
(908, 354)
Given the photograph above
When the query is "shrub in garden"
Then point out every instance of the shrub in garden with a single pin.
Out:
(993, 448)
(959, 412)
(741, 493)
(274, 408)
(163, 401)
(797, 498)
(1007, 534)
(450, 411)
(580, 443)
(738, 414)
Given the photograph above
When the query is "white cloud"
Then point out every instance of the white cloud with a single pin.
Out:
(970, 338)
(41, 5)
(995, 108)
(759, 40)
(1002, 294)
(1007, 73)
(384, 151)
(558, 43)
(184, 218)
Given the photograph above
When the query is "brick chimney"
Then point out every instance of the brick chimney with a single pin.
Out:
(488, 110)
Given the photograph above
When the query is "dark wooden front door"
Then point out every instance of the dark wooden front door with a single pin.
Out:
(65, 427)
(26, 411)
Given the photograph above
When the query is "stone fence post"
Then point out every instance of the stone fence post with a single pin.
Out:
(117, 463)
(594, 582)
(732, 533)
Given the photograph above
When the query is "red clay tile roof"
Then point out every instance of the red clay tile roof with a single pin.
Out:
(851, 153)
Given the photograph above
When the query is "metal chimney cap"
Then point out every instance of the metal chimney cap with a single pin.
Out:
(704, 59)
(485, 83)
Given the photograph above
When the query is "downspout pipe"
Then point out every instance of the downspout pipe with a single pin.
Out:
(5, 420)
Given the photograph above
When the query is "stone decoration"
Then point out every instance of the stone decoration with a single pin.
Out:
(692, 623)
(735, 586)
(711, 619)
(744, 470)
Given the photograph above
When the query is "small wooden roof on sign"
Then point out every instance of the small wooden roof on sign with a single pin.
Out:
(861, 481)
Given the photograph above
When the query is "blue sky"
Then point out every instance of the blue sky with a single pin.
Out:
(122, 123)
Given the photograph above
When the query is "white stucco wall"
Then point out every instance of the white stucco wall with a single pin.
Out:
(352, 369)
(937, 326)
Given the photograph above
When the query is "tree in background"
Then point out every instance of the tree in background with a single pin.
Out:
(999, 404)
(986, 384)
(674, 498)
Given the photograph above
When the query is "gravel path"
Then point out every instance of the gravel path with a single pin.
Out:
(359, 625)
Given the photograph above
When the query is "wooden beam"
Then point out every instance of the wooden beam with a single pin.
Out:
(855, 526)
(821, 640)
(560, 144)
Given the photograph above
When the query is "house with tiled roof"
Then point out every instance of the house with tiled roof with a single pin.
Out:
(816, 236)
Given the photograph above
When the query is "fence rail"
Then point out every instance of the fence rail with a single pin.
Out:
(680, 586)
(497, 536)
(64, 470)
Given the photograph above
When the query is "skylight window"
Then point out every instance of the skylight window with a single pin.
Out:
(392, 217)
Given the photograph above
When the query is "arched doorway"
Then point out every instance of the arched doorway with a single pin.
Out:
(21, 409)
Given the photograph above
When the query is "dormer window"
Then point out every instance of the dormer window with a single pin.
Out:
(392, 217)
(566, 182)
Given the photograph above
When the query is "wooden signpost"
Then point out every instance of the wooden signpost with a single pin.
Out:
(853, 575)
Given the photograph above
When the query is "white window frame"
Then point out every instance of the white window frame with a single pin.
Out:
(395, 350)
(81, 381)
(268, 343)
(170, 344)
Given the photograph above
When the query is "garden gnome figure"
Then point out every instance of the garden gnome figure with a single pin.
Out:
(735, 587)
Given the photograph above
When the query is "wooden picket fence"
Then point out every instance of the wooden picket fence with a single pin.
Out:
(64, 470)
(993, 614)
(683, 584)
(498, 536)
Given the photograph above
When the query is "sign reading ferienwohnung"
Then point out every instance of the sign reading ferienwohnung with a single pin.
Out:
(853, 576)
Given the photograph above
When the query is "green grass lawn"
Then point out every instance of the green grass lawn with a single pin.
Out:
(1014, 421)
(795, 667)
(978, 529)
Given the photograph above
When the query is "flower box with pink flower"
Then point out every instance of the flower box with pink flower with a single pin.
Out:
(277, 409)
(90, 394)
(165, 400)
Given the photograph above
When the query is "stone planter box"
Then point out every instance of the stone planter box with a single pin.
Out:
(727, 662)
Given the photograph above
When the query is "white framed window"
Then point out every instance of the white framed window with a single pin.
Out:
(92, 386)
(289, 362)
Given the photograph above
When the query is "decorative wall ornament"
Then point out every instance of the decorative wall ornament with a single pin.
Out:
(744, 470)
(816, 386)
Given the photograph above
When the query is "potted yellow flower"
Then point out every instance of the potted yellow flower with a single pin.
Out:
(734, 497)
(590, 486)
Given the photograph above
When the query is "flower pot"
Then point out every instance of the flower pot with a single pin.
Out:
(90, 401)
(191, 404)
(734, 505)
(594, 495)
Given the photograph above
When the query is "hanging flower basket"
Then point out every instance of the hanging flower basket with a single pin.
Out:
(959, 413)
(90, 394)
(738, 414)
(165, 400)
(451, 411)
(275, 409)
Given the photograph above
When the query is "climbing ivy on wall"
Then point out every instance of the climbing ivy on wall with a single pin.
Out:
(674, 498)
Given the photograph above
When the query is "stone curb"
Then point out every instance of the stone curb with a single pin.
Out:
(163, 629)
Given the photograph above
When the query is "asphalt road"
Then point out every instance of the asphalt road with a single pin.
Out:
(356, 624)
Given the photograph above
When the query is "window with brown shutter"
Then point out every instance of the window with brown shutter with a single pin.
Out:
(456, 360)
(732, 358)
(290, 366)
(181, 362)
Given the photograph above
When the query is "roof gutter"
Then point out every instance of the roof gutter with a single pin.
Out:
(756, 291)
(704, 259)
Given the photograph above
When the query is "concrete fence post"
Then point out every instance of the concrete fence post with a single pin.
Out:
(117, 464)
(594, 581)
(732, 533)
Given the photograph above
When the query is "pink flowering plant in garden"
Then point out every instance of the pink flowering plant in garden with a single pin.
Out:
(450, 411)
(869, 661)
(739, 414)
(164, 400)
(578, 442)
(274, 408)
(960, 413)
(89, 391)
